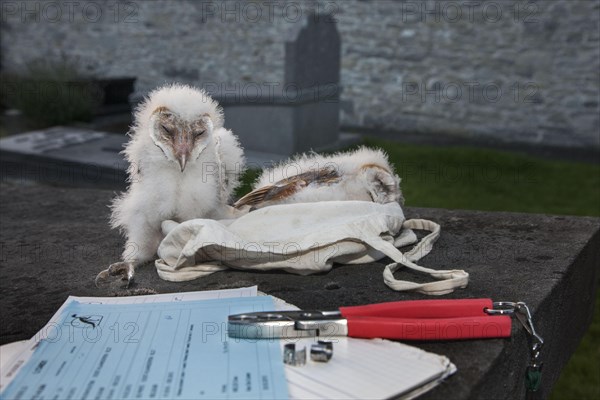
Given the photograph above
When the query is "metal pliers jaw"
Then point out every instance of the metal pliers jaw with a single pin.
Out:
(287, 324)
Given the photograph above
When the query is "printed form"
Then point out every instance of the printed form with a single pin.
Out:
(360, 369)
(176, 349)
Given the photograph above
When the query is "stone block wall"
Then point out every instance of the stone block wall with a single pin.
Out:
(519, 71)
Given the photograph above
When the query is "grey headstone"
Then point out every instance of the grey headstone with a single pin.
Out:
(65, 155)
(303, 112)
(312, 52)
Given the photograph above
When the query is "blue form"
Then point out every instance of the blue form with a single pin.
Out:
(176, 350)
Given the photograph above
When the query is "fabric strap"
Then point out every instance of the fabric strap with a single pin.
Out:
(448, 280)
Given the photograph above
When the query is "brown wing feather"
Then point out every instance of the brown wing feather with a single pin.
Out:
(254, 197)
(287, 187)
(278, 191)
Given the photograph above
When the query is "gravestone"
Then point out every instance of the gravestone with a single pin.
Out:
(65, 155)
(301, 113)
(312, 53)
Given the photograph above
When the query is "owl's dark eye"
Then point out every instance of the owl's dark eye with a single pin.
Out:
(167, 131)
(199, 133)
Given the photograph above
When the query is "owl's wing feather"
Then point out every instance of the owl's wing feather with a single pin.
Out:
(270, 193)
(287, 187)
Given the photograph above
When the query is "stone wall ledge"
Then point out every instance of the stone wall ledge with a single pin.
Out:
(55, 240)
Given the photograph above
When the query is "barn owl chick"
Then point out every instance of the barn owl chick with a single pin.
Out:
(364, 174)
(182, 165)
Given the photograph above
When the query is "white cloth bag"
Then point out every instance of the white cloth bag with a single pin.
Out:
(304, 238)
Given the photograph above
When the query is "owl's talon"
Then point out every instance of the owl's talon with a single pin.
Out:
(124, 270)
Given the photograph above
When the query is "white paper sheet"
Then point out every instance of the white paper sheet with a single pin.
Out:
(359, 368)
(364, 369)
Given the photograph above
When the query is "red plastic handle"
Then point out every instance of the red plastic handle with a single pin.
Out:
(421, 309)
(430, 329)
(426, 320)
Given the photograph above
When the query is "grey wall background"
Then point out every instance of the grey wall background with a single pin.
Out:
(523, 71)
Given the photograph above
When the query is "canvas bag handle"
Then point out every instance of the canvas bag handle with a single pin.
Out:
(448, 280)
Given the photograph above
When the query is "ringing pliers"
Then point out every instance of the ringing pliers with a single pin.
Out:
(403, 320)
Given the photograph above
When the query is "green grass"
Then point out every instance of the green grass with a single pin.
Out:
(581, 377)
(247, 180)
(480, 179)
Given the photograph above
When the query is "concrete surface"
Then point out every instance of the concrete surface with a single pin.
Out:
(54, 241)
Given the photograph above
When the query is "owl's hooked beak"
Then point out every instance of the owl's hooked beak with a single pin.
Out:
(183, 144)
(182, 161)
